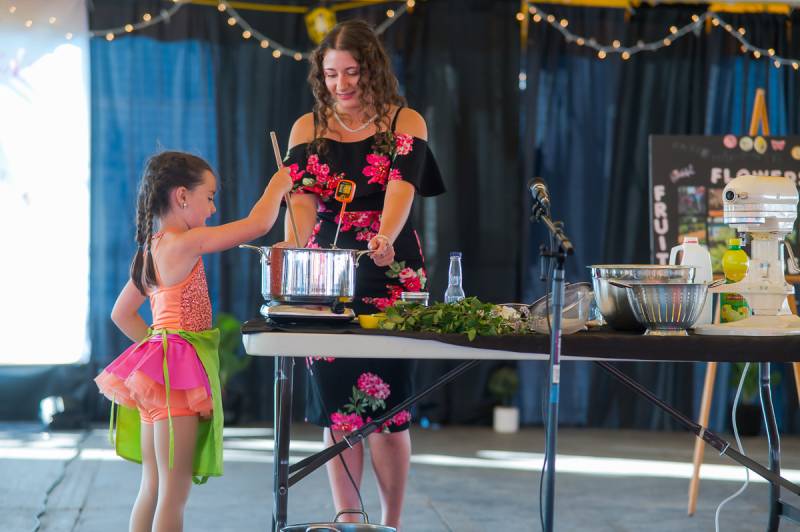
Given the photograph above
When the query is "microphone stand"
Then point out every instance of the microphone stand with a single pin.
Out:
(554, 256)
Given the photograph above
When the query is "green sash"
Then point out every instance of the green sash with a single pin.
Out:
(208, 450)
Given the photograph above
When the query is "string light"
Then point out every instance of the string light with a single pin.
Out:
(28, 23)
(674, 33)
(52, 20)
(233, 19)
(68, 36)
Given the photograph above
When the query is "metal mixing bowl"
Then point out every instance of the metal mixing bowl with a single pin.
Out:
(613, 301)
(666, 309)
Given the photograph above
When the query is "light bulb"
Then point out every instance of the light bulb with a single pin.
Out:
(129, 27)
(265, 44)
(146, 17)
(109, 36)
(616, 44)
(551, 18)
(601, 54)
(231, 21)
(298, 56)
(221, 7)
(276, 53)
(390, 13)
(246, 34)
(520, 17)
(52, 20)
(564, 23)
(626, 56)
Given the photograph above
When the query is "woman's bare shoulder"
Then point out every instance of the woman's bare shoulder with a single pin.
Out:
(302, 130)
(411, 123)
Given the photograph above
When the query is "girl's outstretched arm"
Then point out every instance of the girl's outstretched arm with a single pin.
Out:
(202, 240)
(125, 313)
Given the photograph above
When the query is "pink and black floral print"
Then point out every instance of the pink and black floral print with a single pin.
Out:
(368, 396)
(411, 280)
(315, 178)
(378, 164)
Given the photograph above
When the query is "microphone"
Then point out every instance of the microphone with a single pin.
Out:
(540, 195)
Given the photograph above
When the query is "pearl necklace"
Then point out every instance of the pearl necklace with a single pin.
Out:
(362, 127)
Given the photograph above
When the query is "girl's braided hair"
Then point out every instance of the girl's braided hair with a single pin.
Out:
(378, 84)
(163, 173)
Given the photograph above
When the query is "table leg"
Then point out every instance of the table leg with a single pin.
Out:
(699, 444)
(773, 439)
(796, 368)
(284, 367)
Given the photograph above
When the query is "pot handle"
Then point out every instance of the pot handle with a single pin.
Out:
(321, 527)
(362, 512)
(360, 254)
(619, 284)
(261, 251)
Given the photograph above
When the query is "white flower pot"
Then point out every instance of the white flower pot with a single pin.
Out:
(506, 419)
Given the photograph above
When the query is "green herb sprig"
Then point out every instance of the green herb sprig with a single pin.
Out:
(469, 316)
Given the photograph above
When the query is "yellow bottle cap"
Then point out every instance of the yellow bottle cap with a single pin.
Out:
(734, 241)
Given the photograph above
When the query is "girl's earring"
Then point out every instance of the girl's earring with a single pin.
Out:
(184, 205)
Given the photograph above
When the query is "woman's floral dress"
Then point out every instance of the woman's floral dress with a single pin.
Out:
(345, 393)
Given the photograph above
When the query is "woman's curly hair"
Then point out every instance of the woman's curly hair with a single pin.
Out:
(378, 84)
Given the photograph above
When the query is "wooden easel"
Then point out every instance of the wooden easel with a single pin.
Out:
(759, 117)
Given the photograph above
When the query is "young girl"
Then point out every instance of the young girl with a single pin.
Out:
(170, 375)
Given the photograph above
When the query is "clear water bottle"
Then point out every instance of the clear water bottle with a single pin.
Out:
(454, 291)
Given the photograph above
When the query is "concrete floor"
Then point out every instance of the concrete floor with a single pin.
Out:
(462, 479)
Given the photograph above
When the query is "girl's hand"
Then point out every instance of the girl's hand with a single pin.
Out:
(282, 180)
(382, 250)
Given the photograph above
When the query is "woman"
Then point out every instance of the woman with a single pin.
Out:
(361, 130)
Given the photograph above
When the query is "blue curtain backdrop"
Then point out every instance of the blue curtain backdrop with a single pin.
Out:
(585, 131)
(146, 96)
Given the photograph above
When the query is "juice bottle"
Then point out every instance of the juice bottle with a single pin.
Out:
(734, 307)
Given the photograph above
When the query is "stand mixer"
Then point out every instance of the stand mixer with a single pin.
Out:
(764, 208)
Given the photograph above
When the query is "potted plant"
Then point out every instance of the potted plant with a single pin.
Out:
(748, 412)
(503, 384)
(231, 362)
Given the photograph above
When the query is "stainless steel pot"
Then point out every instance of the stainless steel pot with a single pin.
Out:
(336, 526)
(613, 301)
(307, 275)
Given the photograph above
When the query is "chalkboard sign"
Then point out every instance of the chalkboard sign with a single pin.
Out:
(687, 176)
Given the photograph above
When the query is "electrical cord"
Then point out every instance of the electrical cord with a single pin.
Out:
(739, 445)
(62, 474)
(333, 439)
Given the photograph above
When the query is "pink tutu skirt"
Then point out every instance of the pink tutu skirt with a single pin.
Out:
(136, 378)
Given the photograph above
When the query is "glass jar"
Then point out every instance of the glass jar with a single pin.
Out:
(415, 297)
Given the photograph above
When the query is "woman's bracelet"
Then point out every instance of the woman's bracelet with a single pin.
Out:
(386, 238)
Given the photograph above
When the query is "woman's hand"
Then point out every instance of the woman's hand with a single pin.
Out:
(382, 250)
